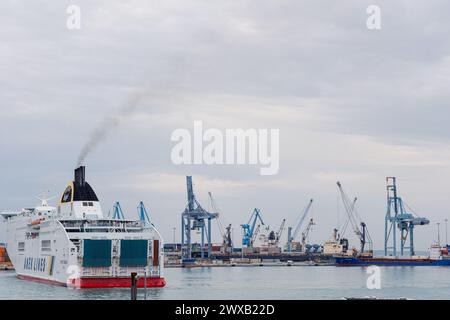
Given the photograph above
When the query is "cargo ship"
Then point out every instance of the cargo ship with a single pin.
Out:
(438, 257)
(75, 245)
(399, 225)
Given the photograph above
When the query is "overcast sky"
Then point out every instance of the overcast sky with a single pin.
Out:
(352, 104)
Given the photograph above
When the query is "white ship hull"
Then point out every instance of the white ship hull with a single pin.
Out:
(66, 248)
(62, 262)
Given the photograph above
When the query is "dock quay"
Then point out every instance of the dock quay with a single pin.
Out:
(174, 260)
(6, 267)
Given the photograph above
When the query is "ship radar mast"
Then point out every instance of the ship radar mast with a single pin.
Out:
(44, 200)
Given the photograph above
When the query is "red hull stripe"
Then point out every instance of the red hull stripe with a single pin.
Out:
(124, 282)
(100, 282)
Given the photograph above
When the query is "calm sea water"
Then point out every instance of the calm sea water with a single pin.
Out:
(306, 282)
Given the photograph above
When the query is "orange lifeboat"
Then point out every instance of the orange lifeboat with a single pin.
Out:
(37, 221)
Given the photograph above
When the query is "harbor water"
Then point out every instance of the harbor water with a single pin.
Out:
(300, 282)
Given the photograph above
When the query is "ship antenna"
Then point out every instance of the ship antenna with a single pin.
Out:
(44, 200)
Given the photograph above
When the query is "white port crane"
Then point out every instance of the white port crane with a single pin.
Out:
(293, 235)
(306, 232)
(280, 231)
(226, 236)
(274, 237)
(355, 220)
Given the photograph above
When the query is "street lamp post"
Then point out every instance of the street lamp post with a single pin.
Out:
(439, 234)
(242, 248)
(446, 239)
(174, 239)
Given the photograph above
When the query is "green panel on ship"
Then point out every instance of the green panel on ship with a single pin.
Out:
(133, 253)
(97, 253)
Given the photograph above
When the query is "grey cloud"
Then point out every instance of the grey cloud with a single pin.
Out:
(365, 96)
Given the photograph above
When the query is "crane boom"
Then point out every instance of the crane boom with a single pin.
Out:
(254, 235)
(304, 214)
(227, 237)
(249, 228)
(355, 220)
(214, 207)
(344, 228)
(280, 231)
(293, 235)
(306, 232)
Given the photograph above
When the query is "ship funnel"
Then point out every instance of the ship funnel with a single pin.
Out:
(80, 176)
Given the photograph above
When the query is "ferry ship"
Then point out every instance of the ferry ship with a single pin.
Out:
(75, 245)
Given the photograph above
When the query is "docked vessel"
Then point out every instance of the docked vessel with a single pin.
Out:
(75, 245)
(399, 223)
(335, 245)
(438, 257)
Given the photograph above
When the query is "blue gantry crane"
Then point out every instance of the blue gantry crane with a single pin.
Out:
(193, 218)
(249, 228)
(117, 212)
(142, 213)
(398, 217)
(292, 236)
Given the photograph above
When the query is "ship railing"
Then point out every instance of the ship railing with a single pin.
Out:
(102, 229)
(115, 223)
(120, 271)
(96, 272)
(141, 271)
(102, 226)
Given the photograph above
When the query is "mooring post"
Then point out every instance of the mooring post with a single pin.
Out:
(145, 285)
(133, 286)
